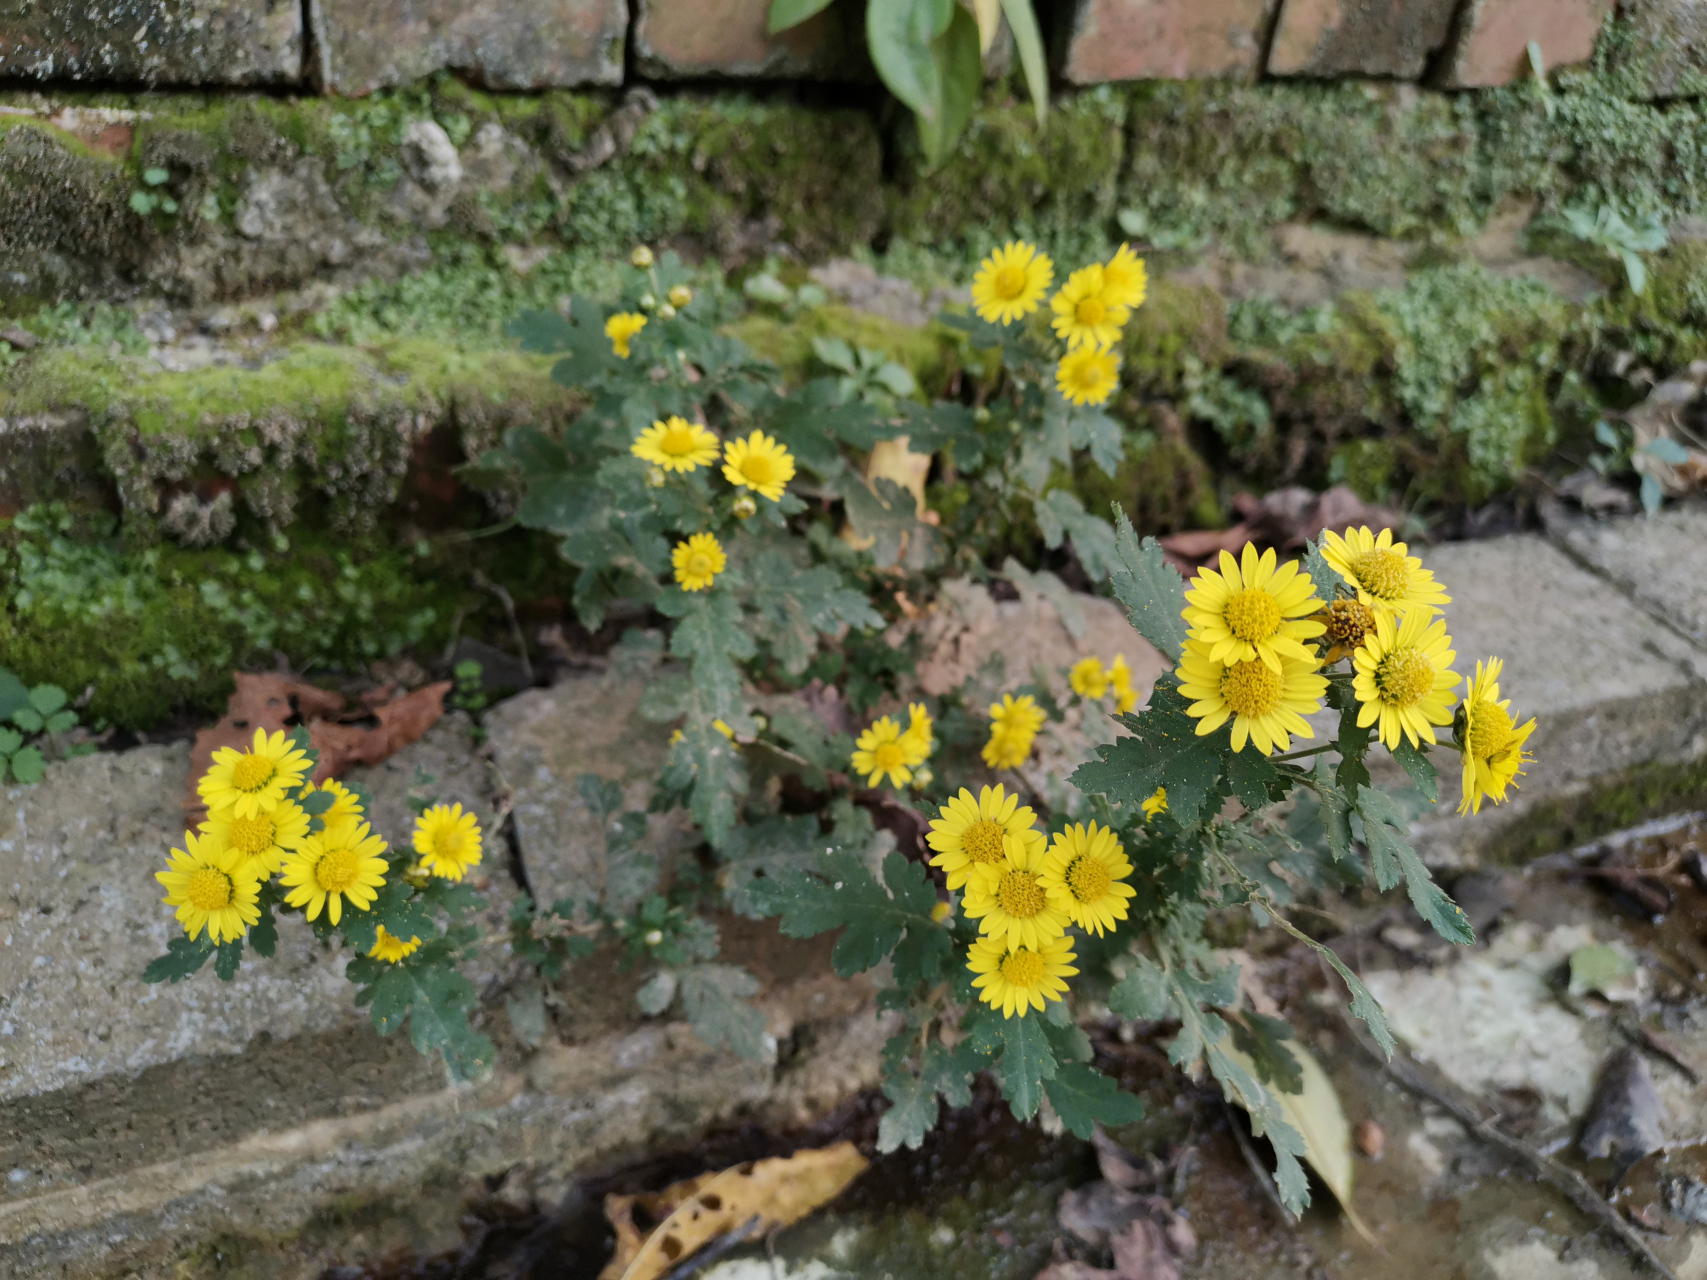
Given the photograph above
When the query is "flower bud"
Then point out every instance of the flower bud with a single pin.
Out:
(655, 477)
(641, 257)
(654, 937)
(745, 507)
(680, 295)
(922, 777)
(666, 312)
(981, 415)
(647, 302)
(941, 912)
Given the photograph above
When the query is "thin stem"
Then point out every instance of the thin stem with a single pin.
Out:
(1307, 751)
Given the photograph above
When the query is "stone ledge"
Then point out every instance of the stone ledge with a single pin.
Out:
(180, 42)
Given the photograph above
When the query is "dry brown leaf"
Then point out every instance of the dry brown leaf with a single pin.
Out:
(274, 702)
(769, 1193)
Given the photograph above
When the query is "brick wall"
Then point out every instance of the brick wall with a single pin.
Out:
(352, 47)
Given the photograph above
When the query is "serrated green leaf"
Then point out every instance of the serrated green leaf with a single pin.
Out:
(1150, 588)
(1335, 812)
(1083, 1098)
(183, 957)
(795, 604)
(886, 513)
(912, 1113)
(1268, 1120)
(844, 893)
(1067, 1040)
(1163, 751)
(1061, 515)
(767, 850)
(712, 636)
(714, 997)
(1392, 857)
(434, 998)
(1262, 1040)
(1416, 763)
(1249, 777)
(264, 933)
(1321, 572)
(227, 958)
(1027, 1061)
(1142, 995)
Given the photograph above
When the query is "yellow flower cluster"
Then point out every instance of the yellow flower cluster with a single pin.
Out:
(257, 826)
(1014, 723)
(1089, 310)
(1251, 657)
(1093, 681)
(1025, 892)
(886, 749)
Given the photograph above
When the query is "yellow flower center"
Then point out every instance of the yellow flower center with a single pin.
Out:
(1348, 622)
(1090, 312)
(1009, 282)
(1382, 572)
(758, 469)
(983, 841)
(1252, 615)
(1020, 895)
(1251, 689)
(1085, 376)
(251, 773)
(1490, 730)
(1088, 879)
(699, 565)
(252, 835)
(889, 756)
(1404, 677)
(336, 870)
(1023, 969)
(678, 442)
(209, 890)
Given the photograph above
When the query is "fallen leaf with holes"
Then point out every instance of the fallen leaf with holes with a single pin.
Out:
(274, 702)
(756, 1197)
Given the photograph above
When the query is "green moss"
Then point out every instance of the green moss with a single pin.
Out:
(1665, 327)
(1645, 792)
(1008, 177)
(1176, 321)
(1161, 484)
(159, 629)
(932, 354)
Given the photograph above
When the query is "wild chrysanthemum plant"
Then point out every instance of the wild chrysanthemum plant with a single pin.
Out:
(274, 843)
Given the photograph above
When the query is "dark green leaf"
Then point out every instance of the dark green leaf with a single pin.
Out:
(902, 54)
(960, 72)
(264, 933)
(1083, 1097)
(601, 795)
(28, 719)
(845, 894)
(1151, 589)
(1416, 763)
(13, 694)
(183, 957)
(227, 958)
(1028, 43)
(1027, 1060)
(1321, 573)
(1142, 995)
(912, 1113)
(1164, 750)
(791, 13)
(1392, 856)
(1249, 776)
(714, 997)
(47, 698)
(435, 999)
(1260, 1039)
(1335, 812)
(28, 764)
(766, 850)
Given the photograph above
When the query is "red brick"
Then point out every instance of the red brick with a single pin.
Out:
(1358, 37)
(1166, 39)
(686, 39)
(364, 45)
(1494, 37)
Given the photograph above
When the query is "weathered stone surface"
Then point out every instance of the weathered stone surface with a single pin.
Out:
(1165, 39)
(1660, 560)
(80, 916)
(1664, 52)
(543, 741)
(1493, 40)
(1611, 687)
(365, 45)
(1358, 37)
(188, 42)
(683, 39)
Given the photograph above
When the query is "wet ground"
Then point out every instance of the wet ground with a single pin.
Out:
(1583, 956)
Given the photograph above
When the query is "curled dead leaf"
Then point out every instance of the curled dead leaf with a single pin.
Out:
(755, 1197)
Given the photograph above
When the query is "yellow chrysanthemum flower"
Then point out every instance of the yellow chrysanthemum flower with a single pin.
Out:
(758, 463)
(1120, 682)
(345, 806)
(212, 887)
(264, 839)
(1404, 677)
(1088, 865)
(1089, 678)
(253, 781)
(922, 739)
(622, 328)
(1087, 375)
(1009, 900)
(1084, 313)
(1157, 803)
(967, 833)
(1011, 282)
(1014, 723)
(722, 727)
(341, 862)
(448, 841)
(1124, 279)
(698, 561)
(1252, 609)
(1347, 624)
(1386, 578)
(390, 948)
(675, 444)
(884, 749)
(1491, 739)
(1266, 706)
(1021, 980)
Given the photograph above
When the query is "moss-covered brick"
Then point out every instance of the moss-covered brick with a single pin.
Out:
(1008, 176)
(932, 354)
(1176, 321)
